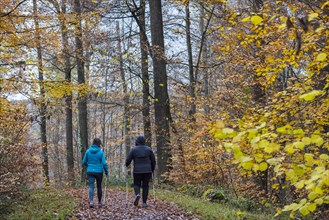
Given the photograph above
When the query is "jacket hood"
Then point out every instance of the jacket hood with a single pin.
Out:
(94, 149)
(140, 140)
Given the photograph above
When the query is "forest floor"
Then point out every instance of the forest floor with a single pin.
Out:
(72, 203)
(116, 207)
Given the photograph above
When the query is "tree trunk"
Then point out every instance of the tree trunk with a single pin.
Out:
(43, 122)
(204, 57)
(192, 110)
(126, 122)
(68, 98)
(82, 104)
(161, 103)
(145, 76)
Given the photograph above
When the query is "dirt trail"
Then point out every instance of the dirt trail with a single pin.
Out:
(116, 208)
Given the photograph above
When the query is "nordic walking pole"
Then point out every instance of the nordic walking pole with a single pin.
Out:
(105, 191)
(83, 191)
(154, 190)
(126, 189)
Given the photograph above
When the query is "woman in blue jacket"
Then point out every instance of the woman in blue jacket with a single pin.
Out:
(95, 161)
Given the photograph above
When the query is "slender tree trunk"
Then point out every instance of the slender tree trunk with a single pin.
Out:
(192, 110)
(126, 122)
(145, 76)
(43, 107)
(82, 104)
(68, 98)
(161, 103)
(204, 61)
(103, 122)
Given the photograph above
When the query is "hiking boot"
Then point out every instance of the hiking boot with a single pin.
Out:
(91, 205)
(137, 199)
(144, 205)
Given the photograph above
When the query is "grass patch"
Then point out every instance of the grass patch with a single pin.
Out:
(210, 210)
(42, 204)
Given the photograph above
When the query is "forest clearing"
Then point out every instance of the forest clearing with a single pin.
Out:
(164, 109)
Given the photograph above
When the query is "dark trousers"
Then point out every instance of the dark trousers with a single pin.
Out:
(91, 179)
(142, 180)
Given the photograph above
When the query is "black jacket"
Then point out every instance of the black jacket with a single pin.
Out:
(144, 160)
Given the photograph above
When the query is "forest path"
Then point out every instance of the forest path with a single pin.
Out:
(116, 208)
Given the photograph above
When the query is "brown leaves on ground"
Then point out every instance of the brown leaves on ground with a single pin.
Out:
(116, 207)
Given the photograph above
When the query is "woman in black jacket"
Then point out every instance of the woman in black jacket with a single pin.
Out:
(144, 165)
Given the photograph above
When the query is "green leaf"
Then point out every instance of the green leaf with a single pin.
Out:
(256, 20)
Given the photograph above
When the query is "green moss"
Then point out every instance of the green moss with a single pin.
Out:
(210, 210)
(43, 204)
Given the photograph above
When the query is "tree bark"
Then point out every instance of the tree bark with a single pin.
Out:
(82, 104)
(43, 106)
(192, 110)
(68, 97)
(161, 103)
(126, 122)
(145, 76)
(204, 57)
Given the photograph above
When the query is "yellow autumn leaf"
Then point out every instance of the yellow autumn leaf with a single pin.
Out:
(325, 4)
(321, 57)
(256, 20)
(289, 149)
(219, 124)
(304, 210)
(312, 196)
(324, 157)
(312, 16)
(318, 190)
(255, 167)
(247, 165)
(298, 131)
(228, 130)
(300, 185)
(272, 161)
(246, 19)
(316, 139)
(263, 166)
(311, 95)
(311, 207)
(299, 145)
(306, 140)
(263, 143)
(245, 159)
(319, 201)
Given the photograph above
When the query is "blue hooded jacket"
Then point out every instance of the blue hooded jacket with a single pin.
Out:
(95, 160)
